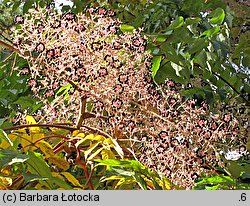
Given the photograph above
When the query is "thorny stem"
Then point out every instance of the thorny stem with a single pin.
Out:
(83, 166)
(58, 146)
(81, 112)
(91, 174)
(16, 181)
(20, 185)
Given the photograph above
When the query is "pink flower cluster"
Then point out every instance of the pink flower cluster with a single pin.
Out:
(169, 134)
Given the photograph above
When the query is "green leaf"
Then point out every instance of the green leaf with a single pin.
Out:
(9, 157)
(64, 89)
(32, 177)
(1, 122)
(110, 162)
(126, 28)
(222, 94)
(25, 101)
(161, 38)
(62, 184)
(27, 5)
(192, 20)
(177, 68)
(236, 168)
(37, 165)
(5, 137)
(216, 180)
(156, 64)
(201, 58)
(197, 46)
(115, 162)
(157, 186)
(137, 166)
(117, 171)
(16, 5)
(165, 72)
(218, 16)
(178, 22)
(142, 183)
(66, 8)
(210, 32)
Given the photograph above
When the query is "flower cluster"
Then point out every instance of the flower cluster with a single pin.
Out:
(111, 70)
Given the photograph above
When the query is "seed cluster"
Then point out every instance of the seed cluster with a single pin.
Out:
(169, 134)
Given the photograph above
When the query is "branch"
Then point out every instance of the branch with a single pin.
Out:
(77, 87)
(40, 125)
(95, 130)
(230, 85)
(9, 47)
(6, 39)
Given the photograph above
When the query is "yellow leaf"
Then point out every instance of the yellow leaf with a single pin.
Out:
(117, 148)
(56, 174)
(81, 134)
(79, 142)
(125, 181)
(109, 141)
(31, 120)
(88, 137)
(6, 181)
(46, 148)
(78, 133)
(77, 188)
(99, 138)
(24, 139)
(2, 187)
(42, 185)
(75, 132)
(90, 149)
(148, 181)
(107, 154)
(59, 162)
(35, 136)
(71, 179)
(95, 154)
(13, 137)
(6, 171)
(60, 188)
(5, 144)
(114, 177)
(165, 183)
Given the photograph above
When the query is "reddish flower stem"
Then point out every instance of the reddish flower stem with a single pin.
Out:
(85, 169)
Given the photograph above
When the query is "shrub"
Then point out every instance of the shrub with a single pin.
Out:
(86, 63)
